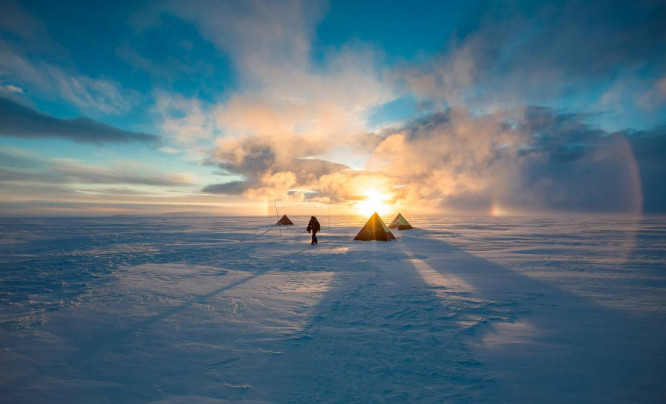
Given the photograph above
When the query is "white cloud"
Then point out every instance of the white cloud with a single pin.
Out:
(27, 60)
(288, 107)
(11, 89)
(474, 153)
(187, 120)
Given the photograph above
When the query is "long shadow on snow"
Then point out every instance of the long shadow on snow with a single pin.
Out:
(97, 341)
(380, 334)
(579, 350)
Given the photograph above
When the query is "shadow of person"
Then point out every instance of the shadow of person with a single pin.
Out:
(422, 320)
(379, 334)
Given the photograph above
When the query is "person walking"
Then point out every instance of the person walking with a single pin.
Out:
(314, 227)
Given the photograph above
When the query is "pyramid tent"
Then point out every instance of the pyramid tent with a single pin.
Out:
(284, 221)
(375, 229)
(400, 223)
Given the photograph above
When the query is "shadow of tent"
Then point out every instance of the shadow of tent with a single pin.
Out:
(578, 349)
(379, 334)
(383, 333)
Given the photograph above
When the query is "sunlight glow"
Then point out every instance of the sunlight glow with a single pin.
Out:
(374, 202)
(496, 210)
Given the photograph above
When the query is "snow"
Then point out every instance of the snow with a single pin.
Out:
(180, 309)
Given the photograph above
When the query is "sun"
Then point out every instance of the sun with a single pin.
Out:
(373, 202)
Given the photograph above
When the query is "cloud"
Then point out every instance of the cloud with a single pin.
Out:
(229, 188)
(530, 158)
(483, 144)
(31, 184)
(290, 110)
(19, 158)
(260, 35)
(486, 144)
(89, 94)
(265, 176)
(34, 62)
(10, 89)
(22, 121)
(91, 206)
(521, 52)
(20, 26)
(70, 171)
(523, 159)
(282, 90)
(28, 180)
(19, 166)
(449, 156)
(188, 123)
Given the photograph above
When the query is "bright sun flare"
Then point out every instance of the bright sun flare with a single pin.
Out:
(373, 202)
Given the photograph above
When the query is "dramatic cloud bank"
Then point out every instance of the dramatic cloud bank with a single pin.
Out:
(479, 145)
(535, 158)
(21, 121)
(519, 160)
(522, 105)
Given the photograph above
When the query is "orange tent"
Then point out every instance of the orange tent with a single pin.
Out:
(375, 229)
(400, 223)
(284, 221)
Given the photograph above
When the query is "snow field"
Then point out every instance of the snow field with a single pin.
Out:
(460, 310)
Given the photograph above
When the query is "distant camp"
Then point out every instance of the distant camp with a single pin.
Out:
(284, 221)
(400, 223)
(375, 229)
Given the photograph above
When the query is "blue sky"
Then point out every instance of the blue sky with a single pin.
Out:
(491, 106)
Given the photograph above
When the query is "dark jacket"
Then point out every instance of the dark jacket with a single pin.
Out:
(313, 225)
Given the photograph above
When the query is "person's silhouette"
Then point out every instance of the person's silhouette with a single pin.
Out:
(314, 227)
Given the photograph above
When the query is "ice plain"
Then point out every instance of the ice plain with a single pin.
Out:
(207, 309)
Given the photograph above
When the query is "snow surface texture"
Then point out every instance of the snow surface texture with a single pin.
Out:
(459, 310)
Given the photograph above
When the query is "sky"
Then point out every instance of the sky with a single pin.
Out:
(236, 107)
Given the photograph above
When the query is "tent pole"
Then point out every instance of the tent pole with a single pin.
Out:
(276, 213)
(329, 213)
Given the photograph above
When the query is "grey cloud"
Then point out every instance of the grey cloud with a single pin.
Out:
(600, 179)
(305, 171)
(11, 175)
(16, 158)
(254, 157)
(19, 26)
(17, 120)
(240, 28)
(77, 173)
(72, 175)
(581, 37)
(48, 207)
(32, 61)
(228, 188)
(524, 51)
(257, 158)
(17, 167)
(565, 136)
(311, 169)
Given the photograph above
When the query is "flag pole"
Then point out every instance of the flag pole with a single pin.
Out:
(276, 213)
(329, 213)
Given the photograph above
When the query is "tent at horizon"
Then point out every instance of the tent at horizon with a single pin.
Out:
(375, 229)
(400, 223)
(284, 221)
